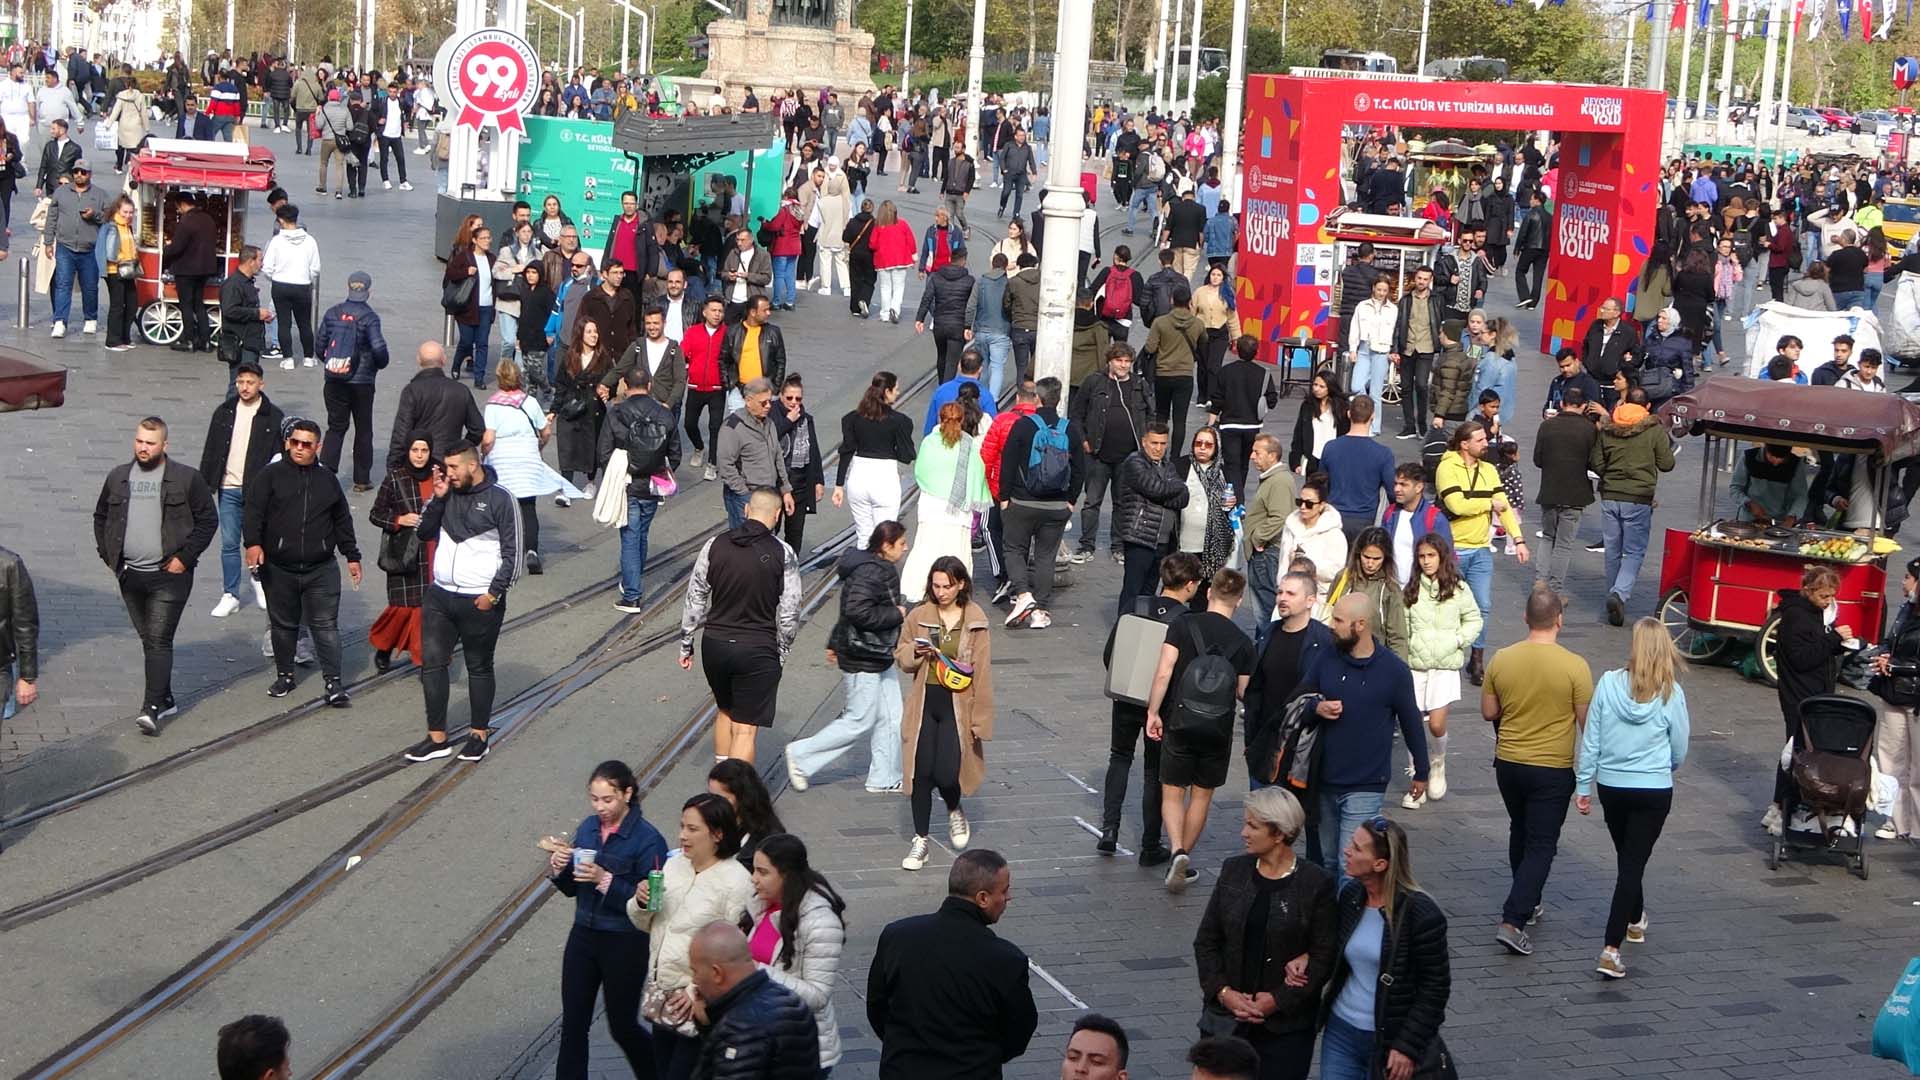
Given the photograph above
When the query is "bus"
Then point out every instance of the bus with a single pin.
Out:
(1467, 69)
(1212, 62)
(1349, 60)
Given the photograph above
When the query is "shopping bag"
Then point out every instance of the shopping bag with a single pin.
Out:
(1896, 1034)
(610, 502)
(106, 136)
(240, 133)
(42, 271)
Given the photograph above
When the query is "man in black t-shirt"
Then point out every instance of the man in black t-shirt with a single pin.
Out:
(1191, 765)
(1179, 581)
(1185, 222)
(1847, 272)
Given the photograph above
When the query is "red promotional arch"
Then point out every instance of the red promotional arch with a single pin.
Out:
(1607, 187)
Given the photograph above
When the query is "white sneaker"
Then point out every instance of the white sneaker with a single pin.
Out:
(590, 489)
(1886, 831)
(89, 327)
(711, 473)
(1039, 620)
(1022, 607)
(287, 364)
(387, 184)
(1637, 931)
(916, 854)
(1437, 777)
(826, 292)
(1770, 820)
(795, 777)
(1410, 802)
(404, 186)
(228, 604)
(562, 501)
(698, 459)
(59, 329)
(419, 150)
(259, 596)
(958, 831)
(308, 362)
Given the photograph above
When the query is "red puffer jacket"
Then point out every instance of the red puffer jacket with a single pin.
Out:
(786, 233)
(893, 245)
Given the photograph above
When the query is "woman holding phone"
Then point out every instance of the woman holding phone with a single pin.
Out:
(615, 849)
(947, 652)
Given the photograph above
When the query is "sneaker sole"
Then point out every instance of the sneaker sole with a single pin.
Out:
(444, 752)
(148, 725)
(1514, 947)
(1610, 973)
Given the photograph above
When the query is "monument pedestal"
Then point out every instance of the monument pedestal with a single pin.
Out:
(774, 57)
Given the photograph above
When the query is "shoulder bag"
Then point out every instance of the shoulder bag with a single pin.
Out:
(1437, 1063)
(400, 551)
(454, 295)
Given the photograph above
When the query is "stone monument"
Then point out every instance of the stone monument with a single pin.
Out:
(775, 45)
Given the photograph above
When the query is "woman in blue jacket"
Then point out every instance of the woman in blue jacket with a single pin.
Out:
(613, 851)
(1636, 736)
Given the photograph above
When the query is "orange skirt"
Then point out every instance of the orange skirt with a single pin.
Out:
(397, 628)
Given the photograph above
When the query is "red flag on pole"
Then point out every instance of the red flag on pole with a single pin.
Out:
(1679, 13)
(1798, 7)
(1866, 20)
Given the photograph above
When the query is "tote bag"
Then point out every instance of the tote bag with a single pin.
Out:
(1896, 1034)
(610, 502)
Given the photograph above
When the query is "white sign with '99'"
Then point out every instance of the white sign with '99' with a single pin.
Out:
(490, 76)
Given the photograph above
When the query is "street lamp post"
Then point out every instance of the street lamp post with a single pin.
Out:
(1786, 102)
(1230, 134)
(906, 54)
(1193, 58)
(230, 25)
(1769, 68)
(1426, 14)
(1680, 94)
(1065, 201)
(1159, 59)
(977, 65)
(1726, 81)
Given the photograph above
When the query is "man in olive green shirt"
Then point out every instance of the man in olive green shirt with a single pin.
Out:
(1266, 515)
(1536, 696)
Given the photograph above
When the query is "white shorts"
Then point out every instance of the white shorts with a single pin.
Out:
(1436, 689)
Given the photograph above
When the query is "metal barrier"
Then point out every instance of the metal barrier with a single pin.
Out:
(26, 294)
(450, 334)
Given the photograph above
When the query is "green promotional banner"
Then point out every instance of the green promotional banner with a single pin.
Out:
(576, 160)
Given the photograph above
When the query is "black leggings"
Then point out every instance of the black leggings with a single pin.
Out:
(1235, 445)
(529, 526)
(936, 757)
(1635, 817)
(450, 617)
(615, 961)
(795, 531)
(1171, 396)
(715, 404)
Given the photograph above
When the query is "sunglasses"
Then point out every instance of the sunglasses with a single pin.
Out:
(1306, 504)
(1208, 443)
(303, 444)
(581, 265)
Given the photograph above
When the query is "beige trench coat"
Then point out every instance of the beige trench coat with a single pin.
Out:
(972, 708)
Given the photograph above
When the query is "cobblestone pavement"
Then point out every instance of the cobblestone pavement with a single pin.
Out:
(1747, 972)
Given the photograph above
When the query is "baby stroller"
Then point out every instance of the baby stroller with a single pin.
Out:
(1832, 780)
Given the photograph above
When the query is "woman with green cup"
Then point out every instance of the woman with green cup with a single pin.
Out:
(614, 850)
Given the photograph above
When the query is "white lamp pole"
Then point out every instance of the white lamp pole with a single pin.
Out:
(230, 24)
(1769, 68)
(1706, 69)
(1230, 133)
(1193, 58)
(1626, 61)
(1159, 59)
(1426, 15)
(1173, 53)
(1726, 81)
(977, 64)
(1064, 201)
(906, 54)
(371, 4)
(1786, 102)
(1680, 90)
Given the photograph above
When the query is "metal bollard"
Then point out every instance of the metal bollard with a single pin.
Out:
(20, 315)
(450, 334)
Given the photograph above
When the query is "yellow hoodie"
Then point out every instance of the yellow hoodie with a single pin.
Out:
(1470, 497)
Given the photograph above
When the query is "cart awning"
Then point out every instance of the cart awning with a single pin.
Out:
(26, 382)
(200, 169)
(1821, 417)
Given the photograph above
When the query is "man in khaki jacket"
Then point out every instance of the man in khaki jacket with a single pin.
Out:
(1266, 515)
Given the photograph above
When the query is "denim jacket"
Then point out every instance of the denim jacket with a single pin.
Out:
(630, 853)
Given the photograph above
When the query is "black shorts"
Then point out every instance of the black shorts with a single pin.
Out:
(745, 677)
(1194, 763)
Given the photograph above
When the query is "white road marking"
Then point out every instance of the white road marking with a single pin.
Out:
(1095, 830)
(1055, 983)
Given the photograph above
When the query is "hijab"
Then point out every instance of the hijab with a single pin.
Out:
(424, 473)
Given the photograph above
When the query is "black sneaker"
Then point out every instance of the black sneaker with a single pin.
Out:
(1109, 841)
(428, 750)
(167, 708)
(149, 720)
(282, 686)
(337, 695)
(1155, 856)
(1596, 548)
(1001, 594)
(1408, 434)
(1616, 610)
(533, 563)
(474, 749)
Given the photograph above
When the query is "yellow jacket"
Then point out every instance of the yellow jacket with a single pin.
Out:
(1470, 498)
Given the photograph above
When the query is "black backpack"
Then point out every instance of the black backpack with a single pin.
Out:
(648, 432)
(1203, 702)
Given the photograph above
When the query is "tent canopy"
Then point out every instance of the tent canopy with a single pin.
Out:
(27, 382)
(1820, 417)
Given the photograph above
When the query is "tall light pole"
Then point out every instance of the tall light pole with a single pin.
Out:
(977, 66)
(1706, 67)
(230, 25)
(1657, 54)
(1193, 57)
(1626, 62)
(1159, 59)
(906, 51)
(1769, 68)
(1064, 201)
(1230, 133)
(1786, 102)
(1426, 15)
(370, 24)
(1686, 68)
(1721, 125)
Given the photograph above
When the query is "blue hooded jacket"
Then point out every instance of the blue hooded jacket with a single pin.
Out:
(1628, 743)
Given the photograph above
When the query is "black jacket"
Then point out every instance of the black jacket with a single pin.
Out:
(1243, 391)
(613, 432)
(759, 1030)
(948, 998)
(1534, 227)
(869, 610)
(19, 618)
(1356, 284)
(945, 297)
(1808, 653)
(298, 515)
(1146, 500)
(188, 518)
(1557, 389)
(1603, 363)
(55, 164)
(194, 250)
(1089, 407)
(1407, 1012)
(1019, 447)
(773, 355)
(441, 407)
(1300, 919)
(240, 327)
(262, 442)
(1435, 311)
(1159, 298)
(1560, 452)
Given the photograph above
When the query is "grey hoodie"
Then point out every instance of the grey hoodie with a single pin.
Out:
(65, 225)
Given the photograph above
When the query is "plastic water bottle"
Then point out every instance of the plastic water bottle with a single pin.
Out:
(1239, 511)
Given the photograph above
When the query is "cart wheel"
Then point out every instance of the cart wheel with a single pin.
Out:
(1390, 393)
(160, 322)
(1765, 644)
(1698, 646)
(213, 320)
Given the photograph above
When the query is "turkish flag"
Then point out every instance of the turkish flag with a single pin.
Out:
(1679, 13)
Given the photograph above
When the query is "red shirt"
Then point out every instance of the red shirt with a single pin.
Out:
(996, 441)
(892, 245)
(701, 346)
(626, 242)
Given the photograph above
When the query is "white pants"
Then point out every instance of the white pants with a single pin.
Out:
(940, 530)
(893, 290)
(829, 263)
(873, 495)
(1896, 752)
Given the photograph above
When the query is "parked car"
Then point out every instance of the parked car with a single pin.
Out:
(1837, 119)
(1902, 220)
(1807, 120)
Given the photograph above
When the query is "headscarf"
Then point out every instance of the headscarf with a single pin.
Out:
(423, 473)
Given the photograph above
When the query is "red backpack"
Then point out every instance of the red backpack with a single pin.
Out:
(1118, 301)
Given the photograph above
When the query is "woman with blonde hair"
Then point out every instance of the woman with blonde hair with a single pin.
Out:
(953, 487)
(521, 429)
(1636, 736)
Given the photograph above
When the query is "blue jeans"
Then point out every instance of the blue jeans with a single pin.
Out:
(1339, 811)
(1719, 321)
(1476, 568)
(872, 709)
(509, 335)
(1263, 578)
(995, 347)
(233, 572)
(68, 265)
(1143, 197)
(783, 288)
(1369, 377)
(1852, 298)
(633, 543)
(1876, 281)
(1346, 1052)
(222, 128)
(473, 343)
(736, 508)
(1624, 527)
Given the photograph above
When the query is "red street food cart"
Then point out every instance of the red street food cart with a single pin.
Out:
(221, 174)
(26, 382)
(1719, 582)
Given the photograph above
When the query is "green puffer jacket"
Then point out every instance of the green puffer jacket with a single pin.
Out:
(1439, 632)
(1629, 458)
(1451, 384)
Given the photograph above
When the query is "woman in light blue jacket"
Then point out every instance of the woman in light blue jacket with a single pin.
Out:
(1636, 736)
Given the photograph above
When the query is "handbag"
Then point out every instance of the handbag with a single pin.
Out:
(610, 502)
(400, 551)
(1437, 1063)
(454, 295)
(1896, 1033)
